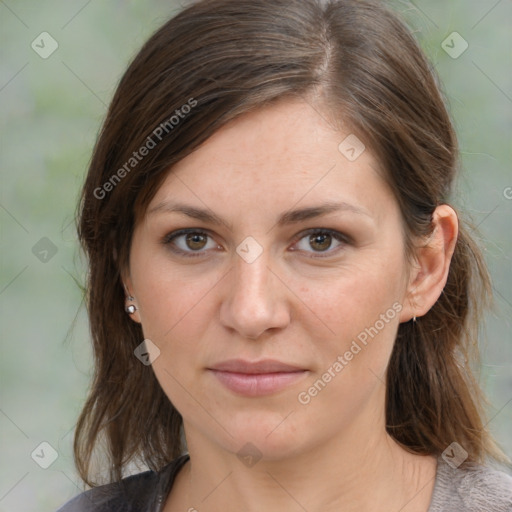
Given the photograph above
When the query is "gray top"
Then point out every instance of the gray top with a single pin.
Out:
(474, 488)
(468, 488)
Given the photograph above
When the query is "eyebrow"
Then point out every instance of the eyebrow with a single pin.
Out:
(287, 218)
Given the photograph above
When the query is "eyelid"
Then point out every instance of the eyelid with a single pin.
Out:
(337, 235)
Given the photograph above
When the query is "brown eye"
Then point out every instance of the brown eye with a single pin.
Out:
(321, 240)
(188, 242)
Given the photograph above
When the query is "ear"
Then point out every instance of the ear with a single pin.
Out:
(429, 275)
(128, 288)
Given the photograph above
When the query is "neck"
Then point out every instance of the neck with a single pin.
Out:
(361, 470)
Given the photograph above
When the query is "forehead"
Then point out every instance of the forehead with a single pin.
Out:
(273, 158)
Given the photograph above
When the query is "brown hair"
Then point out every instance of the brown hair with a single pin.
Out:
(224, 58)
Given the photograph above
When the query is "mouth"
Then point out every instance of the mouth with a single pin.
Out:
(257, 378)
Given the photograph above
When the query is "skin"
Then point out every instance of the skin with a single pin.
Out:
(289, 304)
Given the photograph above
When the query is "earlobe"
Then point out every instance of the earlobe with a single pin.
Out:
(131, 307)
(430, 273)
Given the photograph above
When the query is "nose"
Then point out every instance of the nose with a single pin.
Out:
(256, 299)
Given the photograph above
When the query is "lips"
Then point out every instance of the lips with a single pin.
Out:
(248, 367)
(257, 378)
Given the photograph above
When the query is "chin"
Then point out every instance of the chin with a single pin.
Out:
(266, 434)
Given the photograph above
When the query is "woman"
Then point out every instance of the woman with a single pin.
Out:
(282, 301)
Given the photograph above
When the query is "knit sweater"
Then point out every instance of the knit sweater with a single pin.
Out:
(472, 488)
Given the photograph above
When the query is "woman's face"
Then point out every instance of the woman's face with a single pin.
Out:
(321, 292)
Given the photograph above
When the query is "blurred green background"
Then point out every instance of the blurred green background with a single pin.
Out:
(51, 111)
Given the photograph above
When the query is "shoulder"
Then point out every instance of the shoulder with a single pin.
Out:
(137, 493)
(471, 487)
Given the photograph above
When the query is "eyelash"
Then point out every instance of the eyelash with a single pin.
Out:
(340, 237)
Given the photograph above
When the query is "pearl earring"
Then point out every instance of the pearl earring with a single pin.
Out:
(131, 309)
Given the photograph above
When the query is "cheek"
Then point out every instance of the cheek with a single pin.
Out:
(363, 314)
(175, 314)
(355, 298)
(170, 300)
(359, 313)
